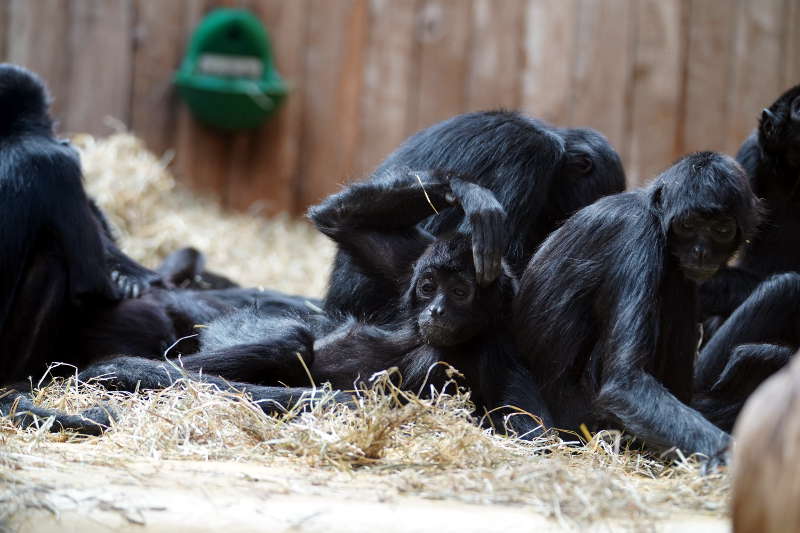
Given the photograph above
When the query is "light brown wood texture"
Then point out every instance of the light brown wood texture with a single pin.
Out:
(657, 77)
(495, 55)
(602, 75)
(334, 64)
(756, 79)
(548, 58)
(4, 8)
(443, 33)
(160, 35)
(657, 82)
(100, 55)
(712, 24)
(389, 69)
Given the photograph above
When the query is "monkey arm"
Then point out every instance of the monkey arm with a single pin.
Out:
(726, 291)
(16, 403)
(131, 278)
(71, 219)
(771, 312)
(365, 214)
(132, 373)
(632, 396)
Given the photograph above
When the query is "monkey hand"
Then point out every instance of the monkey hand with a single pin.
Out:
(92, 421)
(298, 340)
(131, 280)
(487, 225)
(276, 400)
(716, 463)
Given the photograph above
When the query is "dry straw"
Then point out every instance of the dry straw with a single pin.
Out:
(396, 442)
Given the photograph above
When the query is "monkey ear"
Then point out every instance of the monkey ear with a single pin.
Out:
(794, 109)
(769, 123)
(657, 198)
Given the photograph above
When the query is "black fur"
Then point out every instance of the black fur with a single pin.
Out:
(771, 158)
(745, 303)
(606, 314)
(757, 340)
(57, 256)
(538, 173)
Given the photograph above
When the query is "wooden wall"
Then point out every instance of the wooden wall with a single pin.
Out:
(658, 77)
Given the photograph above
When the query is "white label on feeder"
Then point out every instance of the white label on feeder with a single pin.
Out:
(230, 66)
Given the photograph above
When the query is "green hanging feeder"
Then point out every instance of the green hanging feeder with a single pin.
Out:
(228, 78)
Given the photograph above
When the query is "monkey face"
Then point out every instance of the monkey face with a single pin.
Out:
(702, 243)
(446, 302)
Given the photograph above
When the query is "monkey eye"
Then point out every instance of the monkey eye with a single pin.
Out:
(725, 231)
(426, 288)
(460, 293)
(585, 164)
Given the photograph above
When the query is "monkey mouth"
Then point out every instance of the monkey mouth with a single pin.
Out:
(435, 335)
(699, 274)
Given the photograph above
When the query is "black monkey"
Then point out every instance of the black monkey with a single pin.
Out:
(445, 315)
(57, 254)
(540, 175)
(606, 313)
(771, 158)
(753, 329)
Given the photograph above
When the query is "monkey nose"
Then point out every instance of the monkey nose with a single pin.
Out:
(437, 310)
(700, 254)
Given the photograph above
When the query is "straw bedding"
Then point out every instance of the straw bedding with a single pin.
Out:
(427, 448)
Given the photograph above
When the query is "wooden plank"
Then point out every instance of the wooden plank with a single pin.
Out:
(604, 55)
(388, 71)
(548, 58)
(791, 45)
(493, 77)
(443, 34)
(41, 51)
(264, 164)
(160, 40)
(201, 151)
(101, 64)
(334, 75)
(657, 89)
(4, 12)
(757, 71)
(712, 25)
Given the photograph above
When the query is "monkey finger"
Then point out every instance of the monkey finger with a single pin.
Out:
(488, 249)
(477, 253)
(126, 286)
(497, 248)
(485, 253)
(504, 239)
(500, 246)
(490, 232)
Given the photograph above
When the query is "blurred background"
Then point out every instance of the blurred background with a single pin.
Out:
(657, 77)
